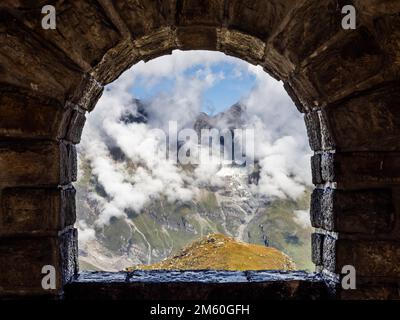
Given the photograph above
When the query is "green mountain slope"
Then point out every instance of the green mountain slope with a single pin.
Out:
(162, 228)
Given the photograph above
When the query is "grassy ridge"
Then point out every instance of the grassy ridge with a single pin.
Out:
(219, 252)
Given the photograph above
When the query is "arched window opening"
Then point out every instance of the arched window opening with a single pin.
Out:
(195, 160)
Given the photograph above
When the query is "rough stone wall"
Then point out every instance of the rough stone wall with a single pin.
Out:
(346, 82)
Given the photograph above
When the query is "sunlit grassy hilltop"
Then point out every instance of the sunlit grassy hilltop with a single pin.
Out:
(220, 252)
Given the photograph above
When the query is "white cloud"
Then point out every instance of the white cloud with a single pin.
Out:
(280, 139)
(302, 218)
(85, 233)
(281, 143)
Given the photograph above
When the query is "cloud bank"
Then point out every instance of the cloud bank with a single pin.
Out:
(280, 137)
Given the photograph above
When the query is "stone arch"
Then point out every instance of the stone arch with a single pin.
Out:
(346, 82)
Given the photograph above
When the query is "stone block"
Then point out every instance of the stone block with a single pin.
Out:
(86, 94)
(328, 141)
(319, 131)
(370, 121)
(357, 170)
(144, 17)
(159, 43)
(327, 167)
(25, 115)
(259, 18)
(115, 62)
(84, 31)
(371, 258)
(34, 65)
(355, 62)
(76, 121)
(316, 169)
(366, 170)
(195, 12)
(313, 130)
(197, 38)
(37, 163)
(22, 260)
(316, 208)
(30, 163)
(241, 45)
(27, 211)
(369, 212)
(317, 241)
(322, 214)
(298, 38)
(69, 163)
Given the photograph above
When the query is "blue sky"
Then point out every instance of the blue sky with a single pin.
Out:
(232, 85)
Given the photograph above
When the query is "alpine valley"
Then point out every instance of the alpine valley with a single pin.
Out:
(162, 228)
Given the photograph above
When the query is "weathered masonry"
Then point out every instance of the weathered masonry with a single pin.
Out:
(346, 82)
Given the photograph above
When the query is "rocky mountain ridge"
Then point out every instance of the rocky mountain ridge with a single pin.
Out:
(163, 228)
